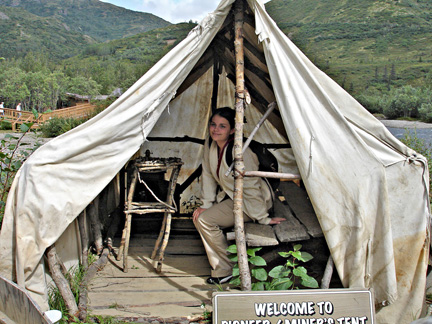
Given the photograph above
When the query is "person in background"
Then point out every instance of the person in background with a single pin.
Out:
(217, 192)
(18, 108)
(2, 108)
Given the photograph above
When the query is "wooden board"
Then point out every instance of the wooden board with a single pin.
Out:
(291, 230)
(18, 306)
(300, 204)
(177, 292)
(260, 235)
(257, 235)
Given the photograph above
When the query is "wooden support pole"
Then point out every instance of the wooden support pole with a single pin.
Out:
(238, 148)
(84, 239)
(271, 107)
(216, 71)
(61, 282)
(275, 175)
(325, 282)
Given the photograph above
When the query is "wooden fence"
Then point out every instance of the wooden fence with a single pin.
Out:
(19, 117)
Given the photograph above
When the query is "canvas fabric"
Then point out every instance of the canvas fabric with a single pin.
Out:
(370, 192)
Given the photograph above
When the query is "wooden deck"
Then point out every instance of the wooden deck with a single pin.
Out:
(176, 294)
(83, 110)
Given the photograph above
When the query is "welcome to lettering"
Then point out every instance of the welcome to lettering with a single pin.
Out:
(293, 309)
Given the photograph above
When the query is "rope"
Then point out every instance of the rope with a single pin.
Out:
(153, 194)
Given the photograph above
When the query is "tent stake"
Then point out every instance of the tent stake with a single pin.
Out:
(238, 144)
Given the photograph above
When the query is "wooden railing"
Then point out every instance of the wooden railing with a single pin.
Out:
(19, 117)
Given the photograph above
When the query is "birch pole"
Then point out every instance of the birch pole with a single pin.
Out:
(238, 148)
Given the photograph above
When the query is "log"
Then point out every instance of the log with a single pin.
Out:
(96, 226)
(61, 282)
(90, 273)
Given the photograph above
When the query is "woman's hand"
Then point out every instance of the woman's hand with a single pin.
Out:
(197, 212)
(277, 220)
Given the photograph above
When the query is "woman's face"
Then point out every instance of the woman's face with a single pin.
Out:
(220, 130)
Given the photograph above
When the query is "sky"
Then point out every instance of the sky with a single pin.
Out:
(174, 11)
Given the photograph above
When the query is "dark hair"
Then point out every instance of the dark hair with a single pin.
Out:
(227, 113)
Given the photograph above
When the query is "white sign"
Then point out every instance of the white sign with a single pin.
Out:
(321, 306)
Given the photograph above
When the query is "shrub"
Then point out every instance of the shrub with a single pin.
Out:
(57, 126)
(425, 112)
(5, 125)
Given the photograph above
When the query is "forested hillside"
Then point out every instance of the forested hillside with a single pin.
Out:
(378, 50)
(121, 62)
(23, 33)
(64, 27)
(363, 44)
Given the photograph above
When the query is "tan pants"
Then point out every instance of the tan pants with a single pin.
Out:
(209, 226)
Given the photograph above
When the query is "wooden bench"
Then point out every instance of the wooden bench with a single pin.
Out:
(292, 203)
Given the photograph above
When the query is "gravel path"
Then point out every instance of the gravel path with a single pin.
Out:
(405, 124)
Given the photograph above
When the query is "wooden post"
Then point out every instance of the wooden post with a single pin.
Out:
(238, 147)
(84, 239)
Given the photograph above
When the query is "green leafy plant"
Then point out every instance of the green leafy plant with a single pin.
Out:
(290, 275)
(57, 126)
(207, 315)
(286, 276)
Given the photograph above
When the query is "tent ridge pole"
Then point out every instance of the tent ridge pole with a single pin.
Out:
(245, 277)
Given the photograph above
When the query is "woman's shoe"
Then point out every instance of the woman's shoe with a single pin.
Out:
(218, 280)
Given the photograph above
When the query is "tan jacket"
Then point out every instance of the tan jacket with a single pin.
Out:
(257, 196)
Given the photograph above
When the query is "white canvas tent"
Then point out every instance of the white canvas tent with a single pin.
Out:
(369, 191)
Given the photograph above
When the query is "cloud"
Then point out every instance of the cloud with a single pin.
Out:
(174, 11)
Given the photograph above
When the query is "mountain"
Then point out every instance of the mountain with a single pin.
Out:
(362, 44)
(96, 19)
(22, 32)
(119, 63)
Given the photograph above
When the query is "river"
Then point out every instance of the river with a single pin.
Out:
(399, 127)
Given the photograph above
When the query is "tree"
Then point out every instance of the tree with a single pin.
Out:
(82, 86)
(57, 84)
(14, 88)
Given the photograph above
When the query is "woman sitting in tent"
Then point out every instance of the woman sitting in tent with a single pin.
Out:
(217, 192)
